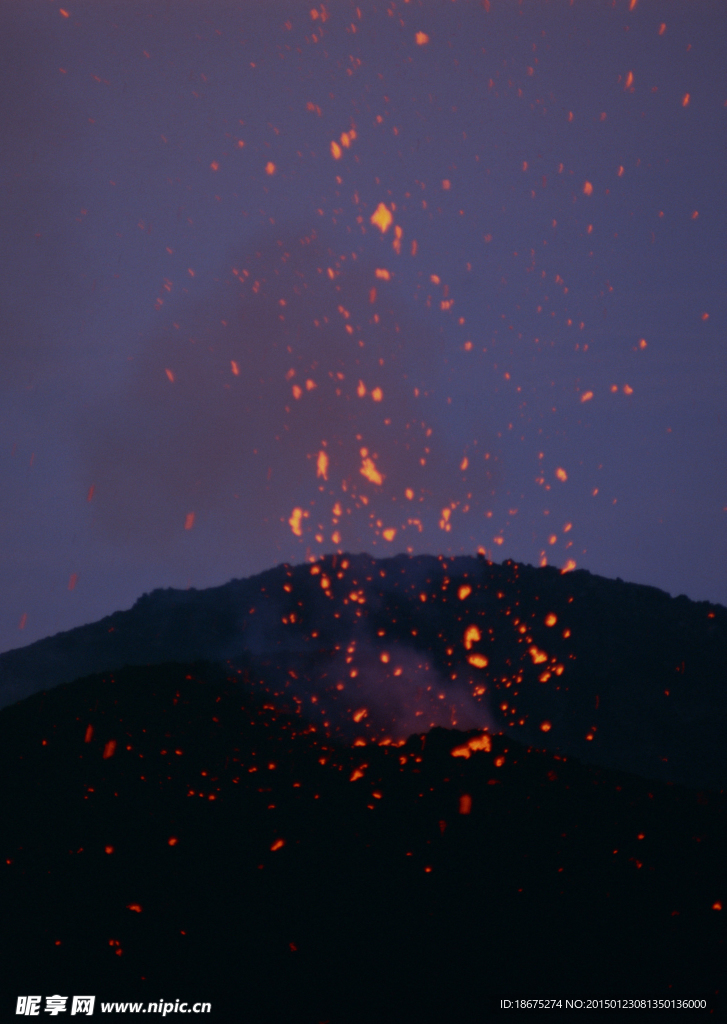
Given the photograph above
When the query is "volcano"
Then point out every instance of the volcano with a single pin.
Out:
(406, 789)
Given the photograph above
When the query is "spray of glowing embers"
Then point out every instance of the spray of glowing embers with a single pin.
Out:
(372, 654)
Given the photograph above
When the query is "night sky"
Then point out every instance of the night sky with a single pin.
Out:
(284, 280)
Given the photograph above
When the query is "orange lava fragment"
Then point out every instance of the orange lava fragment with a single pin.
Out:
(134, 906)
(64, 13)
(270, 167)
(717, 906)
(568, 567)
(389, 534)
(170, 375)
(189, 521)
(586, 396)
(587, 188)
(89, 734)
(482, 742)
(73, 580)
(629, 80)
(685, 101)
(368, 469)
(214, 165)
(461, 751)
(109, 749)
(705, 316)
(499, 761)
(336, 151)
(310, 385)
(465, 803)
(421, 38)
(628, 390)
(172, 841)
(477, 660)
(385, 657)
(537, 655)
(322, 465)
(294, 521)
(108, 849)
(357, 773)
(464, 591)
(383, 274)
(545, 727)
(277, 844)
(381, 218)
(662, 28)
(297, 392)
(377, 394)
(561, 474)
(23, 620)
(550, 620)
(235, 367)
(471, 635)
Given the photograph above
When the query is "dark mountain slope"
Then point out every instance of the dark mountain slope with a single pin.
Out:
(168, 832)
(618, 674)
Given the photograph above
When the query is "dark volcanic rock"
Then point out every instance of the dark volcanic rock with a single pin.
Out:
(625, 677)
(168, 832)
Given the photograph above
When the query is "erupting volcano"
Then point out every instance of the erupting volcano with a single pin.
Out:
(369, 778)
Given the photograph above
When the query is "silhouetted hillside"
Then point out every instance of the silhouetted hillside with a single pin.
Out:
(169, 833)
(620, 675)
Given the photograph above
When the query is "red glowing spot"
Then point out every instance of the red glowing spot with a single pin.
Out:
(629, 80)
(587, 188)
(465, 803)
(108, 849)
(135, 907)
(189, 521)
(561, 474)
(64, 13)
(270, 168)
(235, 367)
(586, 396)
(170, 375)
(377, 394)
(421, 38)
(385, 657)
(705, 316)
(551, 619)
(172, 841)
(214, 165)
(89, 734)
(73, 580)
(91, 489)
(545, 727)
(109, 749)
(357, 773)
(685, 100)
(717, 906)
(499, 761)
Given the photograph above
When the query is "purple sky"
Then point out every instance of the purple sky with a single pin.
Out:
(174, 210)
